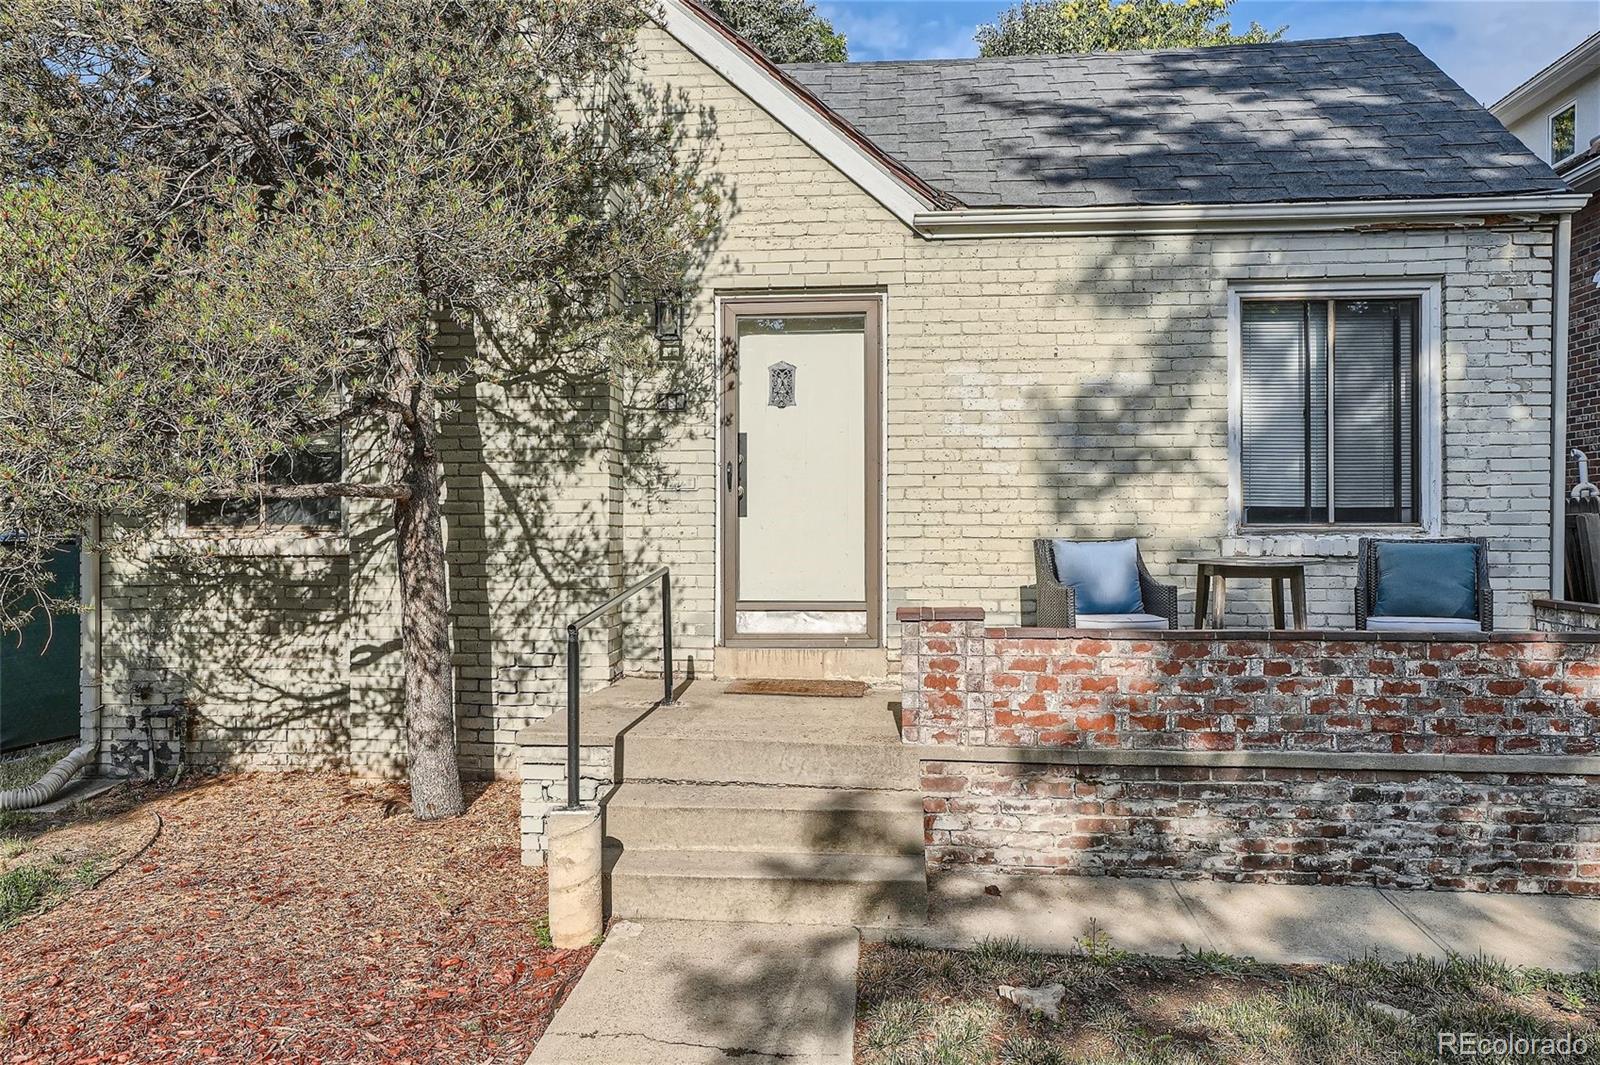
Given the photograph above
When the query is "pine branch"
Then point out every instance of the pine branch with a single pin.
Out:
(323, 490)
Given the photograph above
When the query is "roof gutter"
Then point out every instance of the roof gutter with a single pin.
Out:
(1586, 175)
(974, 223)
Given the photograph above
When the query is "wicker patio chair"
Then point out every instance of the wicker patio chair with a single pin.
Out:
(1367, 584)
(1057, 607)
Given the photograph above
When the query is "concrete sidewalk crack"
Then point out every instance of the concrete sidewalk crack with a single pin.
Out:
(732, 1052)
(1194, 916)
(1418, 925)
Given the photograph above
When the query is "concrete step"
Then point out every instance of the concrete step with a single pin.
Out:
(763, 663)
(881, 766)
(772, 887)
(744, 817)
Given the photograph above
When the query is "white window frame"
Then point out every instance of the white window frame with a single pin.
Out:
(1430, 398)
(1550, 130)
(265, 539)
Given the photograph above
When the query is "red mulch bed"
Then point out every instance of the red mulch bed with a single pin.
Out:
(295, 918)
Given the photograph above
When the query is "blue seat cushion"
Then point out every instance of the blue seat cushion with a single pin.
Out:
(1103, 573)
(1423, 580)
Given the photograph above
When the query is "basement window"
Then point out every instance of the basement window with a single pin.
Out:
(319, 462)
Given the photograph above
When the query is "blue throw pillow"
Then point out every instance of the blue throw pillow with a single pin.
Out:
(1423, 580)
(1104, 573)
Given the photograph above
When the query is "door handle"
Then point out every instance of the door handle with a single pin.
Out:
(744, 504)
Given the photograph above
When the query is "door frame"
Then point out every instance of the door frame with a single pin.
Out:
(730, 308)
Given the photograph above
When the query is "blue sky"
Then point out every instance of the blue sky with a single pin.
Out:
(1488, 46)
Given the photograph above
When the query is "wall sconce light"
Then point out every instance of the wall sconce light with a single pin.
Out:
(668, 324)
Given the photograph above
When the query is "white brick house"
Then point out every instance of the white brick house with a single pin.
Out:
(954, 306)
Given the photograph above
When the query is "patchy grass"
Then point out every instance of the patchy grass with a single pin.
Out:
(26, 889)
(47, 858)
(924, 1006)
(278, 918)
(22, 768)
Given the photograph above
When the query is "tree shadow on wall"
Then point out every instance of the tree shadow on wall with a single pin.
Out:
(1137, 446)
(546, 437)
(245, 652)
(296, 660)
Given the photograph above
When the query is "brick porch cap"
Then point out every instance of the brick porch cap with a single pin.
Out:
(940, 613)
(915, 614)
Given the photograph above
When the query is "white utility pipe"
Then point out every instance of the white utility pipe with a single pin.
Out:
(1583, 491)
(51, 783)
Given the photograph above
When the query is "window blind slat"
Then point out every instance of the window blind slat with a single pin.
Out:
(1274, 451)
(1365, 402)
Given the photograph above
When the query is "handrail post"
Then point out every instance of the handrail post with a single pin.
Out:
(666, 637)
(572, 717)
(573, 693)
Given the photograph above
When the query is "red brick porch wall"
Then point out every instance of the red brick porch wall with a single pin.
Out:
(1337, 758)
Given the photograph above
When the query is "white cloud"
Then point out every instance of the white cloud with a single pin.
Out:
(885, 29)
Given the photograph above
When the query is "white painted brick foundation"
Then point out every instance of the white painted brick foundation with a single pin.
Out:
(544, 788)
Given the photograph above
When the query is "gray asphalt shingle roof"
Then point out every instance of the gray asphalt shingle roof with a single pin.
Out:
(1339, 119)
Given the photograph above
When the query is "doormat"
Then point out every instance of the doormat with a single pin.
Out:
(822, 689)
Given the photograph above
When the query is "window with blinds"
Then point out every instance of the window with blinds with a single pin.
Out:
(1329, 415)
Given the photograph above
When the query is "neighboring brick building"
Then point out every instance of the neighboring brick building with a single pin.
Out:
(1583, 330)
(1556, 113)
(1047, 290)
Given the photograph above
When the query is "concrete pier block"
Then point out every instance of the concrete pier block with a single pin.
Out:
(573, 839)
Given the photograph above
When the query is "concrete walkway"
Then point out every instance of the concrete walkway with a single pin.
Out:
(693, 993)
(1269, 923)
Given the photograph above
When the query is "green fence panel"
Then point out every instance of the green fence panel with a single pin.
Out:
(39, 671)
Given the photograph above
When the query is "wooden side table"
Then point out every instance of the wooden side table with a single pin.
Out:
(1211, 587)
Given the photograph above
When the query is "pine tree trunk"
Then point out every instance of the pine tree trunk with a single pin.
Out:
(425, 617)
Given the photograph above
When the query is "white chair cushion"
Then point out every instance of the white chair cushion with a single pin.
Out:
(1396, 623)
(1121, 621)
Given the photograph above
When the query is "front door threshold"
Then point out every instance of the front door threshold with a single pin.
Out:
(870, 664)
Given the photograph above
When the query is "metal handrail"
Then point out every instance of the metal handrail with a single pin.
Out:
(664, 574)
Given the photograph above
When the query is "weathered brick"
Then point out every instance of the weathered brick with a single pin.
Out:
(1305, 825)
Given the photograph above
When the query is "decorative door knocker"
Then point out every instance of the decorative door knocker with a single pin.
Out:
(780, 385)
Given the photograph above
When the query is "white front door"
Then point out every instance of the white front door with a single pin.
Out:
(800, 473)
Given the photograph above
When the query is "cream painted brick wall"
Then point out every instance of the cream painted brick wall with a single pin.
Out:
(1078, 386)
(1071, 386)
(533, 533)
(250, 648)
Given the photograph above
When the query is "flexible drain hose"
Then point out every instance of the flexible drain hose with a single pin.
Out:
(49, 784)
